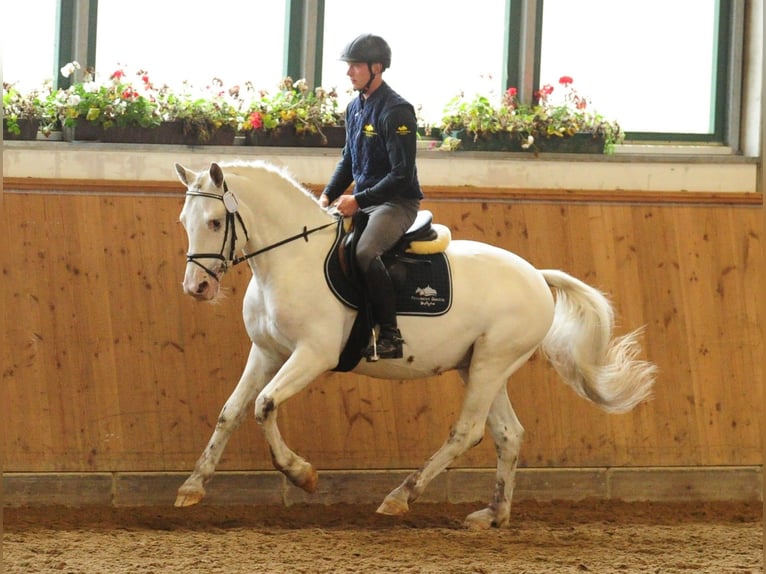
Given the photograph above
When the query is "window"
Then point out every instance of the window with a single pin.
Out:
(438, 48)
(177, 40)
(650, 64)
(28, 50)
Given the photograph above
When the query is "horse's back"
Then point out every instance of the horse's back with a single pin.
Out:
(482, 268)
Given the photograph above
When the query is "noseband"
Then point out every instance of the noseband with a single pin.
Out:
(230, 201)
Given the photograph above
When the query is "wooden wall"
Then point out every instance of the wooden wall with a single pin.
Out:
(109, 367)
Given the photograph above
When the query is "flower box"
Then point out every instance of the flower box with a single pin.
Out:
(500, 141)
(578, 143)
(545, 126)
(27, 130)
(286, 136)
(168, 133)
(512, 142)
(83, 130)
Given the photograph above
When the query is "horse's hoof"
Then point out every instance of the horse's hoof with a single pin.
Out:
(483, 520)
(393, 507)
(188, 497)
(311, 481)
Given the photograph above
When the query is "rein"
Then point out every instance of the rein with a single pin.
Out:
(230, 201)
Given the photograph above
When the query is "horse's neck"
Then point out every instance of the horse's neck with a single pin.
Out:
(275, 203)
(276, 211)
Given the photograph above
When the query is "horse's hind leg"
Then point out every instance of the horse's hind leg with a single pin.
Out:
(507, 434)
(484, 381)
(467, 432)
(232, 414)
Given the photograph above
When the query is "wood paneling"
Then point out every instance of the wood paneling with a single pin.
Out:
(109, 367)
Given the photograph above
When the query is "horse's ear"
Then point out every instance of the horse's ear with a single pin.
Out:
(182, 174)
(216, 174)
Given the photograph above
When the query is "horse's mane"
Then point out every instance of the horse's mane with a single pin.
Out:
(267, 170)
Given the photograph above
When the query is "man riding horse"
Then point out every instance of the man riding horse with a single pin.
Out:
(379, 158)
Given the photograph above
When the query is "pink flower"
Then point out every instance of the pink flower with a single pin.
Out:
(565, 80)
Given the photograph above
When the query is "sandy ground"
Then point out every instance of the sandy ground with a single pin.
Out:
(556, 537)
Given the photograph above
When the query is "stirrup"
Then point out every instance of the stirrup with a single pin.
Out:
(387, 347)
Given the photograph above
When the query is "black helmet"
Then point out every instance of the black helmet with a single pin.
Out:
(367, 48)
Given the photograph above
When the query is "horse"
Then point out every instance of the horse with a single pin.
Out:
(502, 311)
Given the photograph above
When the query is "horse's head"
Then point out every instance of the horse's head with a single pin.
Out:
(213, 227)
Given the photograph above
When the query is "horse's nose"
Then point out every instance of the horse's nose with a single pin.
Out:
(193, 287)
(201, 291)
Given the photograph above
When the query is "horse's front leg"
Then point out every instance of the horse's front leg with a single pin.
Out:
(257, 372)
(303, 366)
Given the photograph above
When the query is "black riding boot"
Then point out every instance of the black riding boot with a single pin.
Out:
(380, 290)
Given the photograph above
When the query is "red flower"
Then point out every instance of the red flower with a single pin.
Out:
(544, 92)
(255, 120)
(565, 80)
(509, 98)
(129, 94)
(117, 75)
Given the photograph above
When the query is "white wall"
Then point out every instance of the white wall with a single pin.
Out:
(707, 173)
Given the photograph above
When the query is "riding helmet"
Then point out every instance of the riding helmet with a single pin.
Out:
(367, 48)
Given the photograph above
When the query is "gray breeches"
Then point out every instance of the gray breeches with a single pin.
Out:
(387, 223)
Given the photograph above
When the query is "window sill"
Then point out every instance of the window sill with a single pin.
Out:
(633, 169)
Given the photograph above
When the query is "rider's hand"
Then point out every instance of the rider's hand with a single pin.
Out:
(324, 201)
(347, 205)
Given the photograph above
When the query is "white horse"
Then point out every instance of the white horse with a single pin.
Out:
(502, 311)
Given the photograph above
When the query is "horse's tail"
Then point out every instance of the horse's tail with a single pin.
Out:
(581, 347)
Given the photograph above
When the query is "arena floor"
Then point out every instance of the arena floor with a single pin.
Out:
(551, 537)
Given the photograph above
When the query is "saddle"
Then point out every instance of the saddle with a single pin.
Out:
(422, 238)
(417, 265)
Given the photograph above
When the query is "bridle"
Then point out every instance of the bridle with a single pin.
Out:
(230, 201)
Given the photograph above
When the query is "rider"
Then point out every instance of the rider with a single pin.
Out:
(379, 158)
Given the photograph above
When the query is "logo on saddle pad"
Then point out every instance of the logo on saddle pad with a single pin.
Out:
(427, 297)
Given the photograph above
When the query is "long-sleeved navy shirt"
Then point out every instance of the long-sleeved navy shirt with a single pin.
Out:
(379, 155)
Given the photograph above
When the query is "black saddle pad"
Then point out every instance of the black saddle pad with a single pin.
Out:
(423, 282)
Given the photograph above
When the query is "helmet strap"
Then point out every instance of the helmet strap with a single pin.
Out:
(363, 89)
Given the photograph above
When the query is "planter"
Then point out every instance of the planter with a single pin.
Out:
(334, 136)
(501, 141)
(511, 142)
(83, 130)
(578, 143)
(168, 133)
(434, 133)
(27, 128)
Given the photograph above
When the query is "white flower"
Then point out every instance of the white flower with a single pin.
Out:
(69, 69)
(527, 144)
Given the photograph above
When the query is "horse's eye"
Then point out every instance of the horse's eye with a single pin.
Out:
(214, 224)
